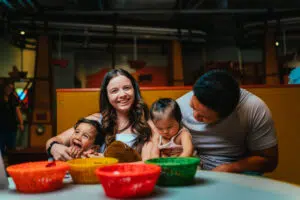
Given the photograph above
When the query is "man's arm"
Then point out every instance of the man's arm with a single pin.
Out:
(261, 141)
(260, 161)
(20, 118)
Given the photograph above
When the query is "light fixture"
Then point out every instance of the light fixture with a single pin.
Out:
(276, 44)
(40, 129)
(22, 32)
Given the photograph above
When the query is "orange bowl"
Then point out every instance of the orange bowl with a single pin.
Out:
(128, 180)
(35, 177)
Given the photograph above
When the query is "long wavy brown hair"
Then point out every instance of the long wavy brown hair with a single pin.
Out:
(138, 114)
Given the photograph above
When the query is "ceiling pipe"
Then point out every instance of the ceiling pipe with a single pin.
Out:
(273, 22)
(105, 45)
(121, 35)
(165, 12)
(110, 27)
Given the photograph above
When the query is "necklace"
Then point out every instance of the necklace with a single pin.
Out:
(124, 128)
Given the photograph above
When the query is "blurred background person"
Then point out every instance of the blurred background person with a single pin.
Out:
(10, 117)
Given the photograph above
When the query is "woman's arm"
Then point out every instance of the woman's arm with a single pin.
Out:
(186, 141)
(60, 151)
(150, 148)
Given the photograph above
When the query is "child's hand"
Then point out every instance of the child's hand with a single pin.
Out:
(91, 153)
(95, 155)
(74, 152)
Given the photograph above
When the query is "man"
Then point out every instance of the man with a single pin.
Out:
(232, 129)
(10, 115)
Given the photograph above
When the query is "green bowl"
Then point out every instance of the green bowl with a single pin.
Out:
(176, 171)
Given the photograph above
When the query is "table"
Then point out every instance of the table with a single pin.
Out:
(208, 185)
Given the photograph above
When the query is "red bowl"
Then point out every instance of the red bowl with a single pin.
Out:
(128, 180)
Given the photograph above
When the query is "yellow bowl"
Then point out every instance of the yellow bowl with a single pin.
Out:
(83, 170)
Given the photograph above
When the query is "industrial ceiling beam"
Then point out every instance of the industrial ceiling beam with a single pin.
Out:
(133, 29)
(165, 12)
(121, 35)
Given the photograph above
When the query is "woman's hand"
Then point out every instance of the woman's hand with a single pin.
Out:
(61, 152)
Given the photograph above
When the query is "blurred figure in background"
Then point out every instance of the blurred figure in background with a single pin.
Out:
(294, 76)
(10, 117)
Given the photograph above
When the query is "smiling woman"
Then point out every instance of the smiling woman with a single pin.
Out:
(123, 109)
(124, 116)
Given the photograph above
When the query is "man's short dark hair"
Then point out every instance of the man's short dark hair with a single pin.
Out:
(219, 91)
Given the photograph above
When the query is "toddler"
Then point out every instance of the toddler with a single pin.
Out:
(174, 140)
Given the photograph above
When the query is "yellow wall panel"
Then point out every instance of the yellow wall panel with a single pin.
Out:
(73, 105)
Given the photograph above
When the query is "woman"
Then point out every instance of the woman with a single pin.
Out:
(123, 115)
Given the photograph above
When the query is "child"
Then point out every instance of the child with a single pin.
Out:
(173, 140)
(86, 139)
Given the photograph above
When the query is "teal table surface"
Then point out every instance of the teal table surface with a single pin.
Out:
(208, 185)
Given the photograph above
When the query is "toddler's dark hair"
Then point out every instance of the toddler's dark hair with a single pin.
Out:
(165, 108)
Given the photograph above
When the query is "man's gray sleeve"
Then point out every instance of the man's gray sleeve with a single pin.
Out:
(262, 134)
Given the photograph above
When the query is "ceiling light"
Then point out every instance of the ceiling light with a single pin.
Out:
(22, 32)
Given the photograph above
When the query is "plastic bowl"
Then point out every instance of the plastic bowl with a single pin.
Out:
(35, 177)
(128, 180)
(83, 170)
(176, 171)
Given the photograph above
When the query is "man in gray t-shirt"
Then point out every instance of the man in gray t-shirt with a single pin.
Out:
(232, 129)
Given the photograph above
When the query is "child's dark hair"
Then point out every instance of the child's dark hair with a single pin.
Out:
(99, 140)
(165, 108)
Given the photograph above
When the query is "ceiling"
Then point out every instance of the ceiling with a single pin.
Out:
(96, 22)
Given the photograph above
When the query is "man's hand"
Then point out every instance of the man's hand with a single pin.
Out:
(60, 152)
(21, 128)
(224, 168)
(259, 161)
